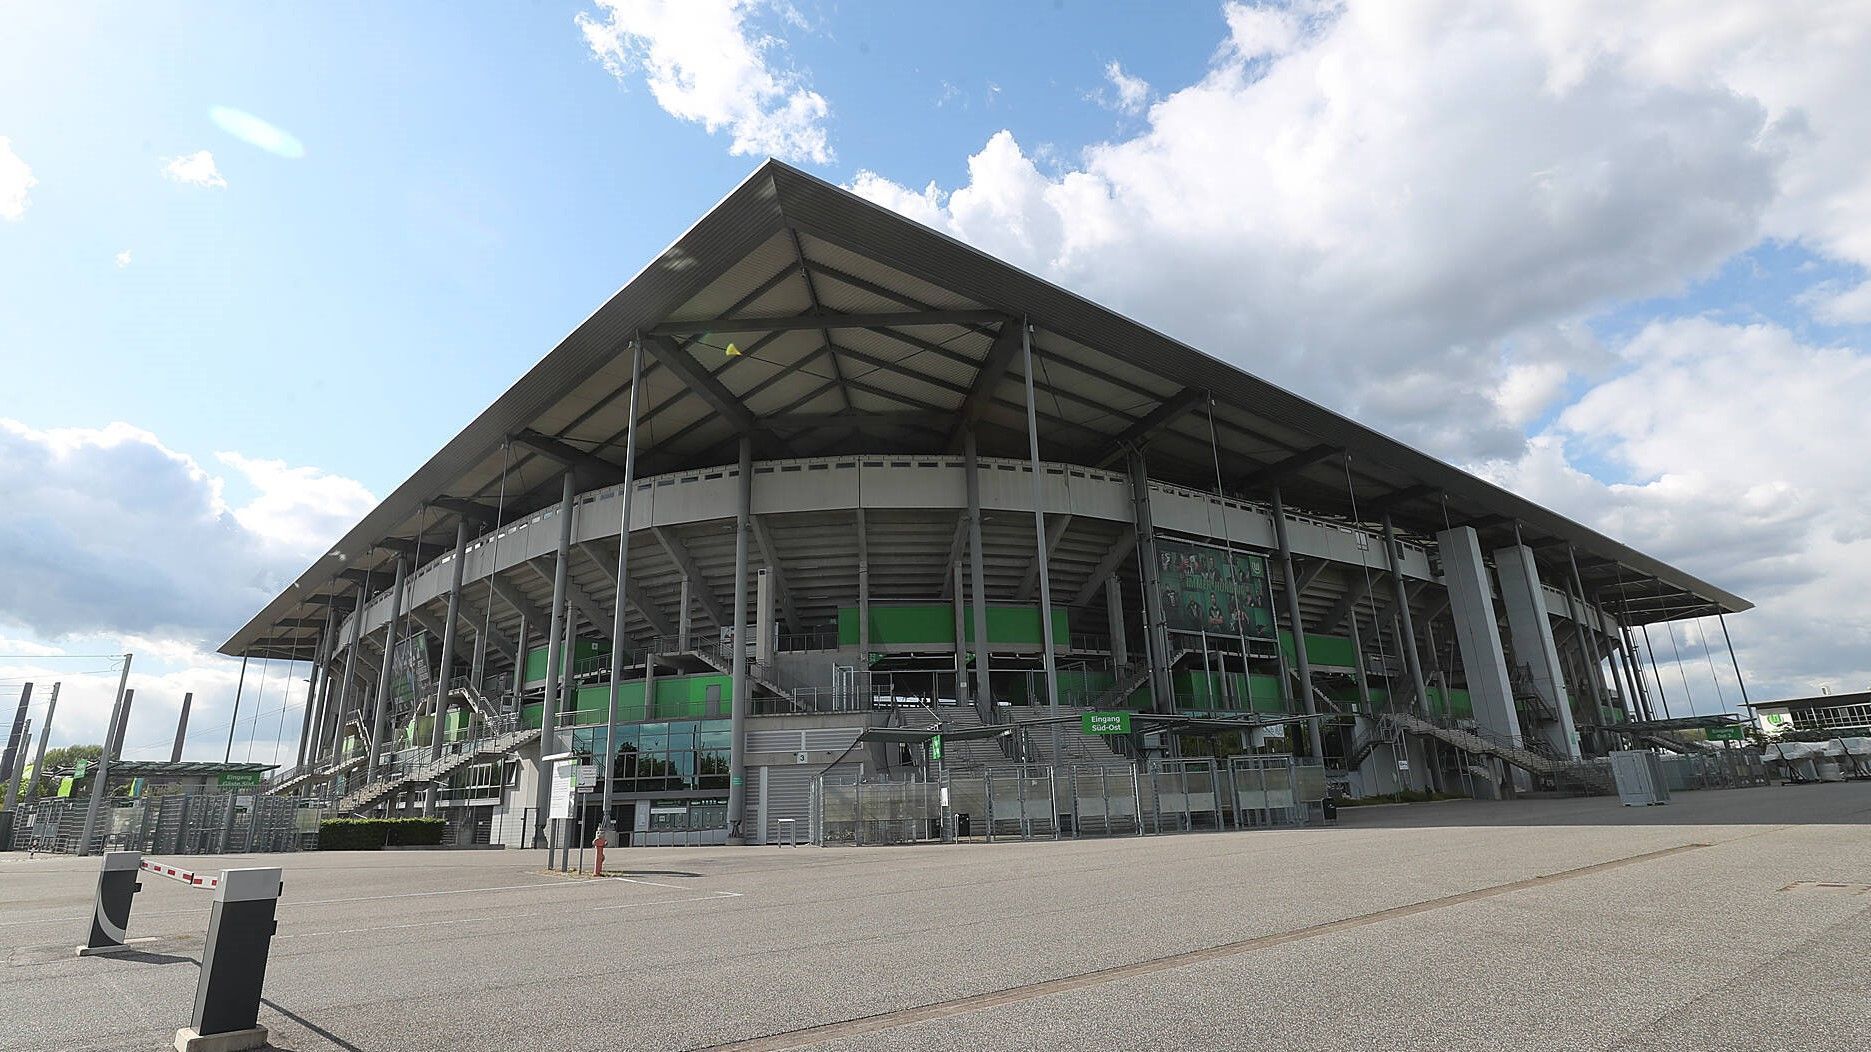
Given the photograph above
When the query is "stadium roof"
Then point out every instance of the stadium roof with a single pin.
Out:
(861, 331)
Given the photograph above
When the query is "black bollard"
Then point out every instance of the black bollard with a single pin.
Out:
(116, 885)
(233, 964)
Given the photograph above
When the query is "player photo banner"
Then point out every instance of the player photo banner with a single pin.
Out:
(1207, 590)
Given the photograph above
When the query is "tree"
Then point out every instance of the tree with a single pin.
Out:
(58, 763)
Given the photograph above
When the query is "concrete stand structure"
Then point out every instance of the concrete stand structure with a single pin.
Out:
(821, 486)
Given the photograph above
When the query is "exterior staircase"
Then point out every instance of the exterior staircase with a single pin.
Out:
(466, 753)
(1669, 740)
(1529, 756)
(718, 658)
(1130, 681)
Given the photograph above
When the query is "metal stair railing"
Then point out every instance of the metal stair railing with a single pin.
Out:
(501, 738)
(1516, 753)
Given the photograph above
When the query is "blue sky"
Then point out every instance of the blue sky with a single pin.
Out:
(1634, 258)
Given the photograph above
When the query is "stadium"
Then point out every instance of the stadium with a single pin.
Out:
(824, 503)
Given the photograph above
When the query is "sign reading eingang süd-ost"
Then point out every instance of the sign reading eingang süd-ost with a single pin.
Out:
(1214, 591)
(1117, 722)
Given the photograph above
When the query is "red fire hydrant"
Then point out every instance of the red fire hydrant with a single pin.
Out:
(599, 843)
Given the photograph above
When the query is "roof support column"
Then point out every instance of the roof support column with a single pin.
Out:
(555, 660)
(343, 713)
(1722, 620)
(864, 604)
(1048, 659)
(737, 725)
(1114, 621)
(1406, 638)
(1478, 634)
(448, 657)
(960, 604)
(16, 749)
(1621, 666)
(977, 572)
(1531, 630)
(1636, 663)
(1155, 639)
(311, 699)
(380, 714)
(1298, 625)
(684, 618)
(327, 652)
(1588, 646)
(608, 763)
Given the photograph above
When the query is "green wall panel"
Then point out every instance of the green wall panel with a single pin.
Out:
(934, 624)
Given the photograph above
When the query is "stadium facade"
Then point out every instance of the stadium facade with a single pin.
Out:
(881, 487)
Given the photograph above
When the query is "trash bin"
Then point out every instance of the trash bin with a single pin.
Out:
(1331, 809)
(963, 825)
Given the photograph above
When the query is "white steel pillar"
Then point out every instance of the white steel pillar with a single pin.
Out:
(1478, 634)
(555, 659)
(737, 736)
(448, 657)
(1048, 659)
(1530, 627)
(983, 682)
(379, 718)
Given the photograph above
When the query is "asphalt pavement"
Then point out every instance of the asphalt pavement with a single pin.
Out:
(1732, 919)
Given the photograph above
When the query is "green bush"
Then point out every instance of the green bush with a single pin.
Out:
(371, 834)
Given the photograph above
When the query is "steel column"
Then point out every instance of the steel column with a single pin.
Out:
(38, 756)
(343, 712)
(1048, 659)
(1406, 641)
(1155, 639)
(103, 765)
(240, 685)
(737, 737)
(555, 662)
(984, 690)
(1722, 620)
(1313, 735)
(380, 712)
(181, 728)
(608, 763)
(448, 658)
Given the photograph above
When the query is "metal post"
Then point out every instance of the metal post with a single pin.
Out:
(608, 764)
(1721, 619)
(1048, 659)
(1300, 657)
(240, 685)
(977, 573)
(311, 695)
(1114, 623)
(555, 643)
(103, 764)
(379, 717)
(115, 736)
(448, 658)
(322, 659)
(737, 744)
(38, 758)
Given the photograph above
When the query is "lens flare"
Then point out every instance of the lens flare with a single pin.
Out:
(256, 132)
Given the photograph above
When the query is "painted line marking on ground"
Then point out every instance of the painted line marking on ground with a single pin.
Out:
(809, 1036)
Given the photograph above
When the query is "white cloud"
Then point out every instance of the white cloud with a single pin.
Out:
(1399, 208)
(108, 532)
(704, 62)
(1739, 445)
(1131, 92)
(16, 179)
(196, 169)
(123, 259)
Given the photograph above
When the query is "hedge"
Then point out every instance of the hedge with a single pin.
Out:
(370, 834)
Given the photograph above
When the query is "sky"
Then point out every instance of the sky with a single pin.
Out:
(257, 263)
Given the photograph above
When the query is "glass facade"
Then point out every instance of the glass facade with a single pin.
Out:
(687, 755)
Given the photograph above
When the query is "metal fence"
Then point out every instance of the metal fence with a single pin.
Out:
(1044, 802)
(195, 824)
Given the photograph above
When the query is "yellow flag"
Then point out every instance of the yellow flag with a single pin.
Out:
(733, 351)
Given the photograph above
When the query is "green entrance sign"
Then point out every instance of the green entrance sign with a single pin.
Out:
(1727, 734)
(935, 747)
(1105, 723)
(238, 778)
